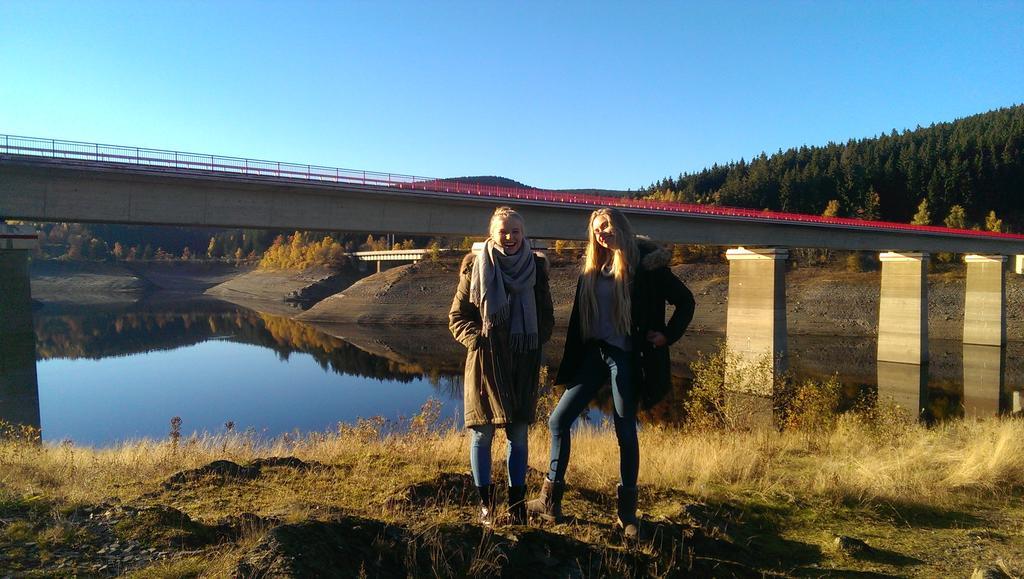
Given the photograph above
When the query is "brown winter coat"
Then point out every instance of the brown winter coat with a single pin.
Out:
(488, 400)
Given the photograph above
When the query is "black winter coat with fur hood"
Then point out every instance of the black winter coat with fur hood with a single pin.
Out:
(654, 285)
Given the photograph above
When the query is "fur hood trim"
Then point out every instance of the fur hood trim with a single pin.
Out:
(652, 255)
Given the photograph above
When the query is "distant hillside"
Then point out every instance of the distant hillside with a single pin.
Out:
(506, 182)
(976, 162)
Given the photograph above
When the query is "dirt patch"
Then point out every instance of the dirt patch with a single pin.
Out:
(164, 526)
(448, 487)
(83, 282)
(226, 470)
(265, 289)
(357, 547)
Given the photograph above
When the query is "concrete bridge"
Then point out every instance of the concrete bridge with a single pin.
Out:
(51, 180)
(393, 256)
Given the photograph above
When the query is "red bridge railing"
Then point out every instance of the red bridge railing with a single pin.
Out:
(181, 161)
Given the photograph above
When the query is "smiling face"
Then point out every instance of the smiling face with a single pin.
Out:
(604, 233)
(507, 233)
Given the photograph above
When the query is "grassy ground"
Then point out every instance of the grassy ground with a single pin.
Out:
(718, 499)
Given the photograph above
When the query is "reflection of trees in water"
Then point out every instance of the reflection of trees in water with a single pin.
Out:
(94, 334)
(286, 336)
(97, 333)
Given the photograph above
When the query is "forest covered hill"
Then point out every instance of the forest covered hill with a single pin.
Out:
(975, 162)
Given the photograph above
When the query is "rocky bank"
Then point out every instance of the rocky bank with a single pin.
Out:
(821, 301)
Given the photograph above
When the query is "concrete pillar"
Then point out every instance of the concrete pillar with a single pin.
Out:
(1018, 264)
(756, 318)
(19, 389)
(983, 380)
(985, 304)
(903, 308)
(904, 384)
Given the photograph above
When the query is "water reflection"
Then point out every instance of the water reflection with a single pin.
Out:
(19, 388)
(211, 361)
(904, 384)
(97, 333)
(983, 380)
(110, 373)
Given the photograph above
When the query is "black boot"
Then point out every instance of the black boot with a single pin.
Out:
(548, 505)
(486, 504)
(517, 505)
(626, 511)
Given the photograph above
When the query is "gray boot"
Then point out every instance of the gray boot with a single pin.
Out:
(548, 505)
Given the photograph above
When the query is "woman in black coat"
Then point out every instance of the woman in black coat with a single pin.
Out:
(617, 333)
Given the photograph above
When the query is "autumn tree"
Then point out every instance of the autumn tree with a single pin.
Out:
(922, 217)
(214, 249)
(956, 219)
(831, 209)
(993, 223)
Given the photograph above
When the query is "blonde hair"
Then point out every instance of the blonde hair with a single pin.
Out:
(623, 262)
(506, 213)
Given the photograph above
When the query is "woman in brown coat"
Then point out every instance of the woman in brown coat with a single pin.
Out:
(502, 313)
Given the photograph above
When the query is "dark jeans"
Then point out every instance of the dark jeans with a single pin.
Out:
(601, 362)
(516, 457)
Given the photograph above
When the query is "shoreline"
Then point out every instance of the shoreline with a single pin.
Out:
(821, 301)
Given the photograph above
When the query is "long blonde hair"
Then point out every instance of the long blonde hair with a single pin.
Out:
(623, 262)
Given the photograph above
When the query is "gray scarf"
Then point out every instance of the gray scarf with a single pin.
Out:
(501, 286)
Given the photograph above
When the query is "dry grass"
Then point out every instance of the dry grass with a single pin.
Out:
(934, 465)
(851, 460)
(812, 468)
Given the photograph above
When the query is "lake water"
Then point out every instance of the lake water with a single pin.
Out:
(108, 373)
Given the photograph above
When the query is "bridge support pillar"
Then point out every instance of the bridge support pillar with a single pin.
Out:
(756, 318)
(19, 389)
(985, 304)
(903, 308)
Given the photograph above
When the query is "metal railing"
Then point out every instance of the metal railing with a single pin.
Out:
(196, 162)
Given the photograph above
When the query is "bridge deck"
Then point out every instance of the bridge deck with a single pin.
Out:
(55, 180)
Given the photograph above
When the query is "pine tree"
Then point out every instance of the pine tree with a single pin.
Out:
(872, 203)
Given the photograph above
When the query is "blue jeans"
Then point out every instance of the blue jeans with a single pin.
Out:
(601, 362)
(480, 453)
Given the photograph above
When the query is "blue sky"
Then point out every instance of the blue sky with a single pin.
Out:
(554, 94)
